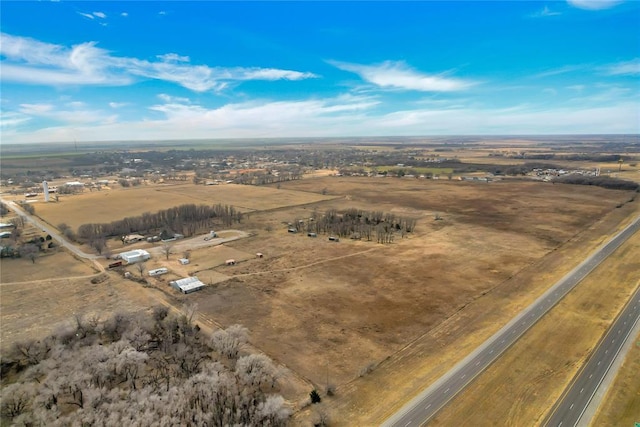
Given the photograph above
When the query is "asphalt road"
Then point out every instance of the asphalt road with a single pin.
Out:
(570, 408)
(424, 406)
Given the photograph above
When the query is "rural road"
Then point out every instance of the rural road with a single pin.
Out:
(424, 406)
(49, 230)
(182, 245)
(569, 410)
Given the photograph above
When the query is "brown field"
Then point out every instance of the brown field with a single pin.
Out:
(53, 265)
(35, 309)
(325, 309)
(526, 381)
(355, 303)
(620, 407)
(109, 205)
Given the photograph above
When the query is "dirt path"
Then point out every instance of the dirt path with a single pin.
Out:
(313, 264)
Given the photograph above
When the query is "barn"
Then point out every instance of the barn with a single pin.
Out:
(136, 255)
(187, 285)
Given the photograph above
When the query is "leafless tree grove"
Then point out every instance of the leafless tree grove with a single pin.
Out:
(140, 369)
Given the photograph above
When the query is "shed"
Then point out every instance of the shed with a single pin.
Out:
(158, 271)
(136, 255)
(259, 255)
(184, 261)
(187, 285)
(230, 262)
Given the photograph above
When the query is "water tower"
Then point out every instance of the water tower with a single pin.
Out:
(45, 189)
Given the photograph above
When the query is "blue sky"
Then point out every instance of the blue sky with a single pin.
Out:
(96, 71)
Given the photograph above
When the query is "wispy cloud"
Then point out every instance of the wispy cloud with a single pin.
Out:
(594, 4)
(12, 119)
(173, 99)
(100, 15)
(173, 57)
(398, 75)
(76, 114)
(545, 12)
(34, 62)
(115, 105)
(124, 14)
(629, 68)
(561, 70)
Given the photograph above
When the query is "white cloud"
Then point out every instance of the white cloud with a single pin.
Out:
(594, 4)
(12, 119)
(76, 114)
(162, 12)
(545, 12)
(550, 91)
(173, 57)
(34, 62)
(173, 99)
(87, 15)
(630, 68)
(115, 105)
(397, 75)
(100, 15)
(124, 14)
(577, 88)
(561, 70)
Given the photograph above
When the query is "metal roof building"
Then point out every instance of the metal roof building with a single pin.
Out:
(187, 285)
(134, 256)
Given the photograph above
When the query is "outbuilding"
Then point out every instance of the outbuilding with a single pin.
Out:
(187, 285)
(136, 255)
(158, 271)
(184, 261)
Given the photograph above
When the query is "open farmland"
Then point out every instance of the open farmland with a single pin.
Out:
(333, 311)
(329, 309)
(109, 205)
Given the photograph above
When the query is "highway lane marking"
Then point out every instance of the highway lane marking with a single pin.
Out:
(428, 406)
(407, 424)
(571, 407)
(477, 363)
(447, 390)
(590, 375)
(463, 376)
(581, 390)
(598, 363)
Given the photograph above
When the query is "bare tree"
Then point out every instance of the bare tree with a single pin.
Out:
(141, 267)
(99, 244)
(29, 251)
(166, 250)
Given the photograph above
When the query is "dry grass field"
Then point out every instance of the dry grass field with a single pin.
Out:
(117, 203)
(330, 309)
(326, 310)
(53, 265)
(525, 382)
(34, 309)
(620, 407)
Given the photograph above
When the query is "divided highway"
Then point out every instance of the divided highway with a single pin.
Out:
(571, 407)
(423, 407)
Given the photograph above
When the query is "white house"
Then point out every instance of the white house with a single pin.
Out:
(136, 255)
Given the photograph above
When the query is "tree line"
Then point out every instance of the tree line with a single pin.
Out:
(140, 369)
(599, 181)
(357, 224)
(185, 219)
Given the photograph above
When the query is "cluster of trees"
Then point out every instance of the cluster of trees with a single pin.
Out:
(357, 224)
(185, 219)
(258, 178)
(137, 370)
(19, 247)
(599, 181)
